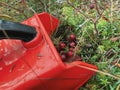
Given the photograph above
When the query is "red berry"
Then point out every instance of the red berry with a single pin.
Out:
(71, 49)
(72, 37)
(62, 45)
(63, 56)
(69, 53)
(72, 44)
(92, 6)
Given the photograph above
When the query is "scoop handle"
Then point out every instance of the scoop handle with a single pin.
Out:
(13, 30)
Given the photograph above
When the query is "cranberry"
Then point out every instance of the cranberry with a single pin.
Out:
(92, 6)
(72, 37)
(62, 45)
(69, 53)
(63, 56)
(71, 49)
(72, 44)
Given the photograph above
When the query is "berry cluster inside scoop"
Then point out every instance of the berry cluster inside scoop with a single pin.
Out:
(66, 48)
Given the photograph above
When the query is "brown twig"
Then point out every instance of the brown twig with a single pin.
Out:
(24, 3)
(95, 23)
(76, 9)
(42, 4)
(96, 5)
(98, 71)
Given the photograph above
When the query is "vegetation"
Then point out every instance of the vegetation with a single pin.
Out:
(96, 24)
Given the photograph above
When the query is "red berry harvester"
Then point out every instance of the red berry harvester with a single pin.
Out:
(30, 61)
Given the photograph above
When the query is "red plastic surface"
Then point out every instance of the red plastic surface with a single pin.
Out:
(36, 65)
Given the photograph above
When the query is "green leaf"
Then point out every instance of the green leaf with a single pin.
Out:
(101, 49)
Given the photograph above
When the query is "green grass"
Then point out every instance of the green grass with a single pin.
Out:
(100, 46)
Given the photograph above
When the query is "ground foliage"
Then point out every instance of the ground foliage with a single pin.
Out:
(96, 24)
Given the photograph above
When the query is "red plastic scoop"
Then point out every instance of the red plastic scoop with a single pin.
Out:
(34, 63)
